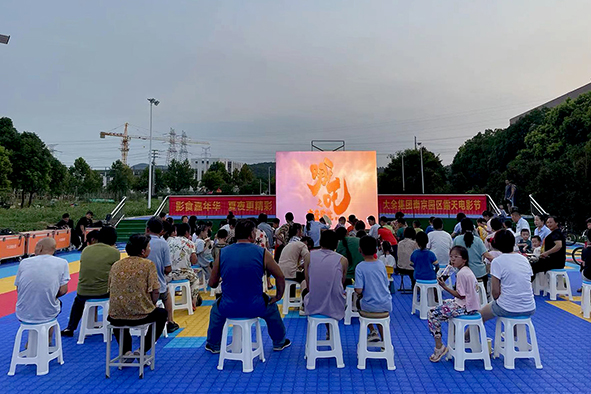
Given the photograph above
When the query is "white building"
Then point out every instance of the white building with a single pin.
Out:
(201, 165)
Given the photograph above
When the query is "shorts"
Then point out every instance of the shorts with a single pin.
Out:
(500, 312)
(163, 296)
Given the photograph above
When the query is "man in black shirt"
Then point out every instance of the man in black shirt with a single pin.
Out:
(83, 223)
(65, 222)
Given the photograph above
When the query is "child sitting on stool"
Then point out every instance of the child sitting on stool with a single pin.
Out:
(371, 284)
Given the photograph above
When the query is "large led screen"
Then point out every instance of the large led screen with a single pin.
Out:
(326, 183)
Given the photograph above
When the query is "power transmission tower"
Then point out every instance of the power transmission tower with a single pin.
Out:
(206, 152)
(183, 154)
(171, 154)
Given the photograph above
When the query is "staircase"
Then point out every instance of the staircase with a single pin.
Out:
(128, 227)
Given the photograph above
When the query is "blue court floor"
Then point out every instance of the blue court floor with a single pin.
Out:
(183, 366)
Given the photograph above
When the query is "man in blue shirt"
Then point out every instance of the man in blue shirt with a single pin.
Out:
(242, 266)
(160, 256)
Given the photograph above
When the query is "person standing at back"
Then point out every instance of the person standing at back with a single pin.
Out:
(476, 250)
(93, 281)
(241, 267)
(373, 227)
(313, 229)
(81, 226)
(40, 281)
(268, 230)
(160, 256)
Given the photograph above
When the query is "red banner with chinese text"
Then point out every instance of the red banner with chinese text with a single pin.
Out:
(211, 206)
(432, 204)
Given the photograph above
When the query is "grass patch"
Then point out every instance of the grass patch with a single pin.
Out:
(48, 213)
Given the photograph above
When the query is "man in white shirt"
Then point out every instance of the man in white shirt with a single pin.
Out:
(40, 281)
(521, 223)
(440, 242)
(373, 227)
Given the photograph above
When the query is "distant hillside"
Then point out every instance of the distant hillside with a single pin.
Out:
(260, 170)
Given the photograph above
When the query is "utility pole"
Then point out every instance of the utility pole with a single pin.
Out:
(153, 102)
(154, 156)
(269, 174)
(403, 184)
(415, 142)
(422, 173)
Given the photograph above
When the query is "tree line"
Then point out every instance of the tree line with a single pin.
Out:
(28, 169)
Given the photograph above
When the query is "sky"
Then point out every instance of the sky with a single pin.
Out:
(256, 77)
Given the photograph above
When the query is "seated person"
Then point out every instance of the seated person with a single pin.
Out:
(466, 299)
(406, 247)
(96, 261)
(295, 255)
(134, 288)
(241, 266)
(326, 273)
(524, 245)
(586, 259)
(182, 257)
(92, 238)
(423, 260)
(349, 248)
(40, 281)
(511, 281)
(482, 229)
(372, 285)
(536, 244)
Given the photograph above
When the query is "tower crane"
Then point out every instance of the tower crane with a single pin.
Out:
(125, 138)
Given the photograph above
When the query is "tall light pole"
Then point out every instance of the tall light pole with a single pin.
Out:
(422, 173)
(153, 102)
(269, 174)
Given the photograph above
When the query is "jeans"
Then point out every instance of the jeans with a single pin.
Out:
(158, 315)
(275, 325)
(78, 309)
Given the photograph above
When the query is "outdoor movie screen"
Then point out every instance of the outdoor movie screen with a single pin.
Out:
(334, 183)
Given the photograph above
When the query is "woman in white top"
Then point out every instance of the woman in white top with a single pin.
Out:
(511, 281)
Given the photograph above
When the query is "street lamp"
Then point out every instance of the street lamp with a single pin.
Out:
(153, 102)
(422, 173)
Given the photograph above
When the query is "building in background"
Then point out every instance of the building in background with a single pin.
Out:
(201, 165)
(556, 102)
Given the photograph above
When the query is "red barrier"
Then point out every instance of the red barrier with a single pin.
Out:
(12, 246)
(62, 238)
(33, 238)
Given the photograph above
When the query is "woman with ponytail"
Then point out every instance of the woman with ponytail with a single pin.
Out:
(476, 250)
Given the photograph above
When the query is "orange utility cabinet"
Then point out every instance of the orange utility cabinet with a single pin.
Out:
(62, 238)
(33, 237)
(12, 246)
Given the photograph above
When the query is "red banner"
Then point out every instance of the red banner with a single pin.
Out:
(388, 204)
(432, 204)
(211, 206)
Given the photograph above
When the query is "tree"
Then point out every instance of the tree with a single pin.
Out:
(217, 177)
(121, 179)
(83, 179)
(31, 166)
(180, 176)
(141, 182)
(5, 168)
(390, 181)
(60, 177)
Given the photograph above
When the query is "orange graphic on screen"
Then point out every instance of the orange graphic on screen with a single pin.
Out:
(322, 174)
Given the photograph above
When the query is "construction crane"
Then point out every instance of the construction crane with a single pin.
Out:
(125, 138)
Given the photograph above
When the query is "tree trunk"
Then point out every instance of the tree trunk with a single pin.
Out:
(30, 198)
(22, 199)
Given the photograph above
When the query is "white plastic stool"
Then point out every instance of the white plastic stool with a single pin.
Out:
(426, 301)
(558, 283)
(312, 342)
(38, 351)
(350, 308)
(506, 346)
(478, 343)
(186, 298)
(287, 300)
(540, 284)
(241, 348)
(586, 299)
(136, 331)
(482, 294)
(90, 326)
(144, 360)
(201, 283)
(363, 352)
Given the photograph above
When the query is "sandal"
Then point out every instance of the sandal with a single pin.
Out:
(438, 353)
